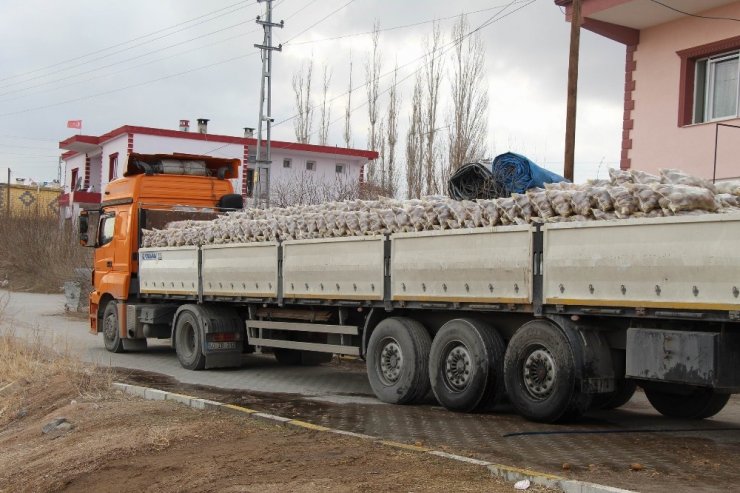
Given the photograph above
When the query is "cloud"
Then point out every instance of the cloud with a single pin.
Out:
(526, 65)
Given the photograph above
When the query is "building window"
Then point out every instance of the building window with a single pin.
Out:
(113, 166)
(310, 165)
(74, 184)
(287, 163)
(710, 82)
(340, 168)
(716, 87)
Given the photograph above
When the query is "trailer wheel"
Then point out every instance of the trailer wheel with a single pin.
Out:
(398, 361)
(698, 403)
(466, 365)
(111, 328)
(294, 357)
(625, 389)
(188, 342)
(540, 374)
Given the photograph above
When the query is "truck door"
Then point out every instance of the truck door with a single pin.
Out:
(105, 252)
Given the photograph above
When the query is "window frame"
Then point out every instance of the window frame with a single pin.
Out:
(710, 84)
(340, 168)
(312, 166)
(687, 81)
(74, 178)
(289, 162)
(112, 166)
(101, 228)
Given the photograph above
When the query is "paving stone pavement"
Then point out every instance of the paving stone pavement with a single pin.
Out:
(675, 455)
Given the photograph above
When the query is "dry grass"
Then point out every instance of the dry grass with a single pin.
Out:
(29, 365)
(37, 254)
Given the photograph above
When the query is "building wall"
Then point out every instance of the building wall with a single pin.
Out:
(28, 199)
(657, 139)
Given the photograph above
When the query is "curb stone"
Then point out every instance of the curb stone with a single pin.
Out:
(508, 473)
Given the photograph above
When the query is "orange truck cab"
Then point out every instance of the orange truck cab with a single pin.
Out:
(154, 190)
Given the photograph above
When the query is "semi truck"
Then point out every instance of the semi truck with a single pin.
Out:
(557, 318)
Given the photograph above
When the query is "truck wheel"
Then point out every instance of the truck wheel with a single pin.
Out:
(699, 403)
(188, 342)
(398, 360)
(111, 329)
(466, 365)
(625, 389)
(540, 374)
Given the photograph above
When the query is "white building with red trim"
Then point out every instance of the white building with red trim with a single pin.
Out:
(93, 161)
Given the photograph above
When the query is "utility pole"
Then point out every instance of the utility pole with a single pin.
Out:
(570, 119)
(263, 161)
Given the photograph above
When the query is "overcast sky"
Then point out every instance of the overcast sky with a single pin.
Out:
(149, 63)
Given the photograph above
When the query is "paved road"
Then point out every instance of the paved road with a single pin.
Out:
(677, 455)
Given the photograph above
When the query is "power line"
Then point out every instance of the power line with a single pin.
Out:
(115, 52)
(101, 50)
(699, 16)
(131, 86)
(142, 55)
(57, 87)
(405, 26)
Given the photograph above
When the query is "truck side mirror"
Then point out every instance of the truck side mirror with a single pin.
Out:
(85, 233)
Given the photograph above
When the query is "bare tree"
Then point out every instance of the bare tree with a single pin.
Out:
(468, 117)
(325, 109)
(432, 80)
(391, 180)
(348, 108)
(302, 90)
(305, 188)
(415, 143)
(372, 74)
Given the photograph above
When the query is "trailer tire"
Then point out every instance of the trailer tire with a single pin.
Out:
(111, 329)
(398, 361)
(625, 389)
(189, 341)
(466, 366)
(700, 403)
(540, 374)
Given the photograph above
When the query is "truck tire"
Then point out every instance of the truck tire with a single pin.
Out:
(398, 361)
(540, 374)
(625, 389)
(188, 342)
(466, 366)
(111, 328)
(699, 403)
(294, 357)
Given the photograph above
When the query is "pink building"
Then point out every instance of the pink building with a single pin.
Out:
(93, 161)
(682, 87)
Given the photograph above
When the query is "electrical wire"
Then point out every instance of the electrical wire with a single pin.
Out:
(699, 16)
(101, 50)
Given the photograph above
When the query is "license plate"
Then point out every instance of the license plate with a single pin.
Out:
(221, 345)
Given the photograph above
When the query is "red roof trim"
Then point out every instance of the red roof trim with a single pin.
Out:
(69, 155)
(84, 139)
(228, 139)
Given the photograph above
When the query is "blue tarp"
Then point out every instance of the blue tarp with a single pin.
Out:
(517, 174)
(508, 173)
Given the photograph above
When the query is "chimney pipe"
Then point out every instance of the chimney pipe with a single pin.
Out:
(184, 125)
(248, 132)
(203, 125)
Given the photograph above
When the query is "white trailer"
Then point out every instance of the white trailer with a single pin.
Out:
(561, 317)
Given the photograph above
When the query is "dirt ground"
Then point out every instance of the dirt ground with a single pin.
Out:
(120, 443)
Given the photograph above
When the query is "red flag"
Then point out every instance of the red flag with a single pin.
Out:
(74, 124)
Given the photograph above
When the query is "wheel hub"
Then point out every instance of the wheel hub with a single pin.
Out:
(457, 367)
(391, 362)
(539, 373)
